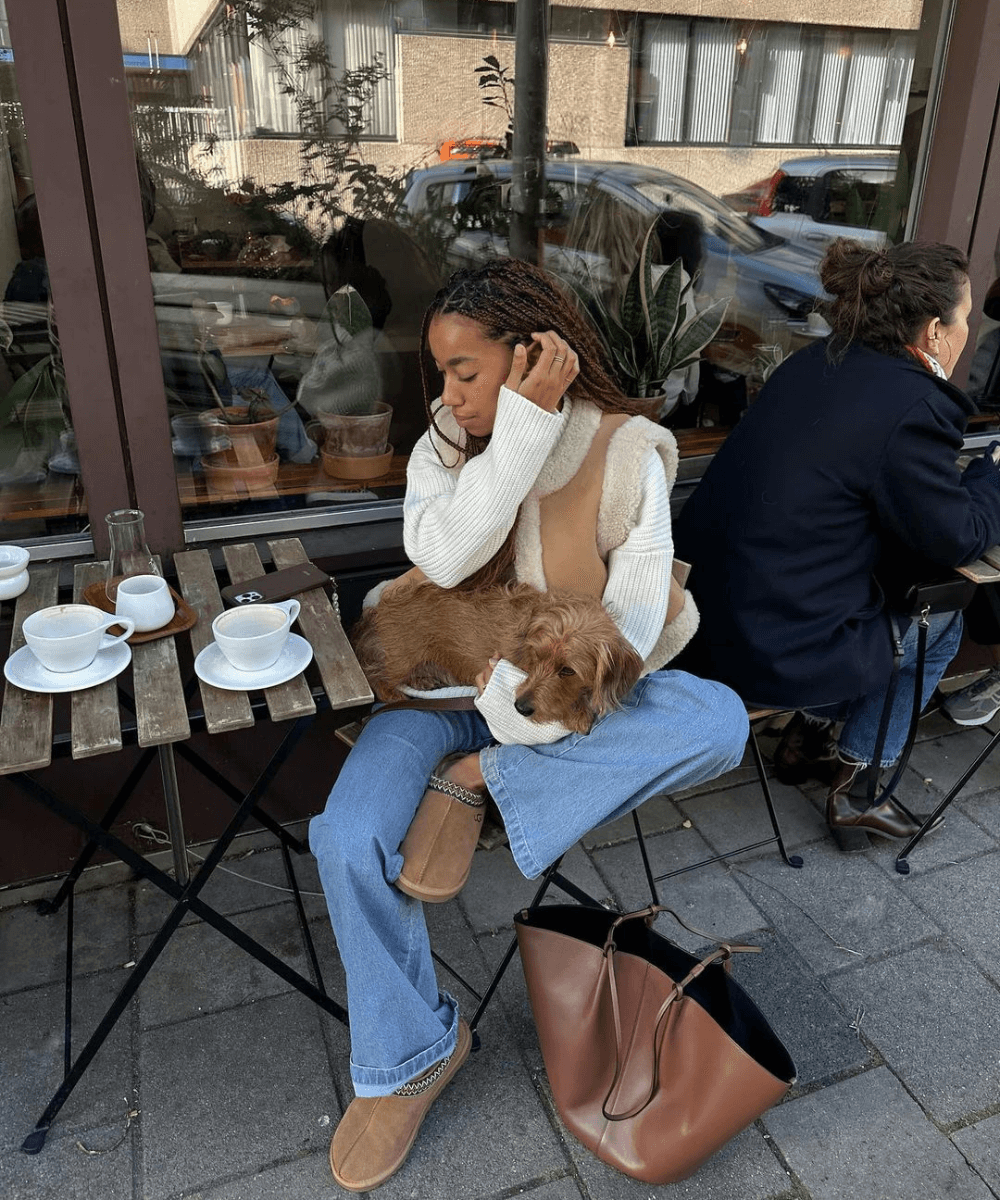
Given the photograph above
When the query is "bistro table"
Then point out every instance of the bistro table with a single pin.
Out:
(159, 712)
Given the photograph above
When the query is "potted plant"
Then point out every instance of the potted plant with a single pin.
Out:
(250, 460)
(651, 328)
(343, 388)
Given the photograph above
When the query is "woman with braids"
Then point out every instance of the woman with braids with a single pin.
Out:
(534, 468)
(839, 487)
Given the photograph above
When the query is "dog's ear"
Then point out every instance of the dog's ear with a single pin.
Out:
(618, 671)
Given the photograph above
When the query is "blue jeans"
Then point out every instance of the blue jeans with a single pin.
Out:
(674, 731)
(861, 717)
(293, 443)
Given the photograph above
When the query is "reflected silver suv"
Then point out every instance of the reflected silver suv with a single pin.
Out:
(811, 201)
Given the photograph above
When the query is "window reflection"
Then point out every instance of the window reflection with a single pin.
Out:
(40, 488)
(295, 151)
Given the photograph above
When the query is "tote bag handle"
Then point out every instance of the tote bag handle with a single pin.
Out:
(723, 952)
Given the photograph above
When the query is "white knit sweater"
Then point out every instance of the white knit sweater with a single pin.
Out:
(457, 514)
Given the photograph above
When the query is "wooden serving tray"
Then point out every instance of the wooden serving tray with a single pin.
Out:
(184, 615)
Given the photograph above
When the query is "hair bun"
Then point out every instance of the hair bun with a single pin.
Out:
(877, 274)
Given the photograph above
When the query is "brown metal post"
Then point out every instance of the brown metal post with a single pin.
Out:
(45, 90)
(95, 41)
(961, 193)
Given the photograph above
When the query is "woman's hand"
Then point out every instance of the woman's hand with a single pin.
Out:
(554, 370)
(483, 678)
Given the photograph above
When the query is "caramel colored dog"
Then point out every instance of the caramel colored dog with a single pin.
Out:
(578, 664)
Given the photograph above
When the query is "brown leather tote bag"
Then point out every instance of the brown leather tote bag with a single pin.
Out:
(655, 1058)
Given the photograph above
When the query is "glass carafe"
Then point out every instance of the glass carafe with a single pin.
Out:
(129, 553)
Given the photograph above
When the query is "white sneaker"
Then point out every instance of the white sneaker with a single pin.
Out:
(977, 703)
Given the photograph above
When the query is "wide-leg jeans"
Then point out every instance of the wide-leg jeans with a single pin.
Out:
(674, 731)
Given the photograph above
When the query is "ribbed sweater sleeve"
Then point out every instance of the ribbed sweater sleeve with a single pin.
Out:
(636, 595)
(455, 521)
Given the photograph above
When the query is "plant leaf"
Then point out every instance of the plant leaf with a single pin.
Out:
(694, 335)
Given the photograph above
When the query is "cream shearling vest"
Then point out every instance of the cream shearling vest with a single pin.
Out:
(584, 503)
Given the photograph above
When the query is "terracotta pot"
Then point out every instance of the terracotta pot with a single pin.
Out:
(224, 474)
(251, 444)
(362, 466)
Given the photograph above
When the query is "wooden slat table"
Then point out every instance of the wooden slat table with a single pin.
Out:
(158, 712)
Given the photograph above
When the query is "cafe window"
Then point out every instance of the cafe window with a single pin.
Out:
(705, 81)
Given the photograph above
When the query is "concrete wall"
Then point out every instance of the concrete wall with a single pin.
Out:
(893, 14)
(173, 24)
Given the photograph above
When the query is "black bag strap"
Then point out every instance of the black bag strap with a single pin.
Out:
(923, 626)
(440, 704)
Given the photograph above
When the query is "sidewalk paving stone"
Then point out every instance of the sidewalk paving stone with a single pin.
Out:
(980, 1144)
(239, 884)
(32, 946)
(866, 1139)
(32, 1061)
(936, 1022)
(708, 898)
(944, 760)
(957, 839)
(658, 814)
(247, 1086)
(837, 909)
(983, 808)
(800, 1008)
(64, 1171)
(964, 901)
(497, 890)
(738, 817)
(201, 971)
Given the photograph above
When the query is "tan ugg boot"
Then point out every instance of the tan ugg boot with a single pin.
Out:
(376, 1132)
(438, 848)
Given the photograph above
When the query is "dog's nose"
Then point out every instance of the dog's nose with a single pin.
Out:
(525, 707)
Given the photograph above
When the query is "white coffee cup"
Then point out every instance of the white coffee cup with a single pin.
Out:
(146, 599)
(252, 637)
(67, 637)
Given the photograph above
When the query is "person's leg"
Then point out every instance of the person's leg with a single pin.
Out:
(860, 732)
(400, 1023)
(673, 731)
(858, 738)
(293, 443)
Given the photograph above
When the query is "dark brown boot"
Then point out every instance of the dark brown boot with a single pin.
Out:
(850, 826)
(806, 751)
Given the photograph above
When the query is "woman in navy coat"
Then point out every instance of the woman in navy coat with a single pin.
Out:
(838, 486)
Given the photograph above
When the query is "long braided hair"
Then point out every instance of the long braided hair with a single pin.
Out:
(510, 300)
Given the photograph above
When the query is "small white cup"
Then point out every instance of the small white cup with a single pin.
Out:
(67, 637)
(13, 560)
(252, 637)
(147, 600)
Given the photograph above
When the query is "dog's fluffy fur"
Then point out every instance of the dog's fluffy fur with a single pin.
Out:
(578, 664)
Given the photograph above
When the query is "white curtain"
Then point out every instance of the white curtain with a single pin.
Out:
(897, 87)
(367, 32)
(865, 88)
(666, 53)
(779, 93)
(713, 58)
(832, 72)
(273, 65)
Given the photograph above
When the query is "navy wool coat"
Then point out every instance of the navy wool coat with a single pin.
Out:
(839, 484)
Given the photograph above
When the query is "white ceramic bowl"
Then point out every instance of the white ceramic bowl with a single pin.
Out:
(13, 586)
(13, 560)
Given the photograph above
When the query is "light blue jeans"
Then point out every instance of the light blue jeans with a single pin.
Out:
(861, 717)
(673, 731)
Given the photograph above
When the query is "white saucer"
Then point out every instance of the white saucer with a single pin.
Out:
(24, 669)
(213, 667)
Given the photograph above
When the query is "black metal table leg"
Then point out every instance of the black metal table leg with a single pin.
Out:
(186, 897)
(902, 866)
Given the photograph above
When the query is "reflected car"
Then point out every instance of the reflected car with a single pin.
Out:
(811, 201)
(767, 278)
